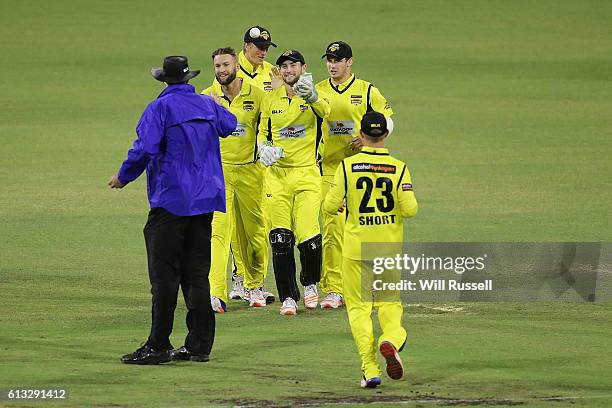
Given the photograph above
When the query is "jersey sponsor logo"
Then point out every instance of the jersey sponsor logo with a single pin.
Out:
(303, 108)
(372, 168)
(407, 187)
(341, 127)
(277, 111)
(240, 130)
(292, 132)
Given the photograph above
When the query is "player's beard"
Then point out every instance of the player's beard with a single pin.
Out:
(295, 79)
(230, 78)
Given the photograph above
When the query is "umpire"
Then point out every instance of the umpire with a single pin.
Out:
(178, 145)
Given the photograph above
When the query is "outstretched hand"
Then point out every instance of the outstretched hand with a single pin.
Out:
(215, 96)
(114, 182)
(275, 77)
(356, 143)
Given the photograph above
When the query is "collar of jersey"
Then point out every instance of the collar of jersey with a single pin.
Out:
(348, 83)
(381, 151)
(246, 66)
(284, 92)
(244, 90)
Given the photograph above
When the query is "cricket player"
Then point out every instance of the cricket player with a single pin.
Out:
(243, 185)
(350, 98)
(290, 119)
(254, 70)
(377, 191)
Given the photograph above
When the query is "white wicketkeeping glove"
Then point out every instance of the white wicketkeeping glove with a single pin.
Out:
(304, 88)
(269, 154)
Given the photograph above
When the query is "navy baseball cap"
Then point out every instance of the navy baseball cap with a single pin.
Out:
(291, 55)
(258, 36)
(339, 50)
(374, 124)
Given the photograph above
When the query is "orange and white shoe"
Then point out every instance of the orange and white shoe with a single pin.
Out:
(218, 305)
(395, 368)
(256, 298)
(311, 297)
(289, 307)
(332, 301)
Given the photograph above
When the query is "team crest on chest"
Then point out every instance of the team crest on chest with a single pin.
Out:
(248, 105)
(356, 99)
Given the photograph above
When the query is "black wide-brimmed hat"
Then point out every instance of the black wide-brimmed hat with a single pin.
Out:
(175, 70)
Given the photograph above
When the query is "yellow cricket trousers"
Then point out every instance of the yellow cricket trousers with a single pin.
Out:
(360, 317)
(296, 195)
(333, 235)
(244, 196)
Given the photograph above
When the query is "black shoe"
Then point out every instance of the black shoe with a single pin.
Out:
(184, 355)
(147, 355)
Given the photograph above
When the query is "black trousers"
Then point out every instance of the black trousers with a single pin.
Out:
(178, 253)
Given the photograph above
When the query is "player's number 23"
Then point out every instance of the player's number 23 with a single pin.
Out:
(385, 204)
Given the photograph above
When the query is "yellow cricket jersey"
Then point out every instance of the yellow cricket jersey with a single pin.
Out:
(349, 102)
(294, 125)
(378, 192)
(260, 77)
(241, 146)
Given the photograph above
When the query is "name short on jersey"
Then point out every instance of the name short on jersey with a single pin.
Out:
(377, 219)
(293, 131)
(373, 168)
(341, 127)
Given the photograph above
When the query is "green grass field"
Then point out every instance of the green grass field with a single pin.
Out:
(502, 112)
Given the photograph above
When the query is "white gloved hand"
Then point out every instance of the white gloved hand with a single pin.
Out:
(269, 154)
(304, 88)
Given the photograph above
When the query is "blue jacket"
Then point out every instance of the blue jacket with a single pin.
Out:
(178, 144)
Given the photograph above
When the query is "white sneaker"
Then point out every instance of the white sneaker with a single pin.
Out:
(289, 307)
(237, 291)
(246, 295)
(256, 298)
(269, 296)
(311, 297)
(332, 301)
(218, 306)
